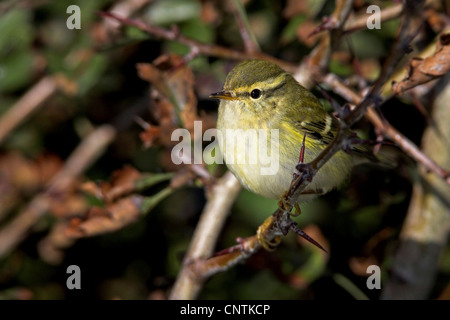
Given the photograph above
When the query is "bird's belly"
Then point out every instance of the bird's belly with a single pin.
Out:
(270, 172)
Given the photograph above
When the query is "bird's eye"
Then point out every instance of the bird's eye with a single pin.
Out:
(255, 94)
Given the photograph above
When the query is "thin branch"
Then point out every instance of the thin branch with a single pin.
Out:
(28, 104)
(250, 42)
(320, 56)
(188, 283)
(227, 258)
(201, 48)
(360, 22)
(124, 8)
(400, 47)
(386, 128)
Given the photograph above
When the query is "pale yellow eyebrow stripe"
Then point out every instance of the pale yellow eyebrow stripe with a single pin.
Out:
(265, 85)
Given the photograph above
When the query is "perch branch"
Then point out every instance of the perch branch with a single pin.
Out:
(189, 283)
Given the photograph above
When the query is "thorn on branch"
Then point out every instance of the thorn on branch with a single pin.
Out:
(286, 224)
(301, 157)
(305, 236)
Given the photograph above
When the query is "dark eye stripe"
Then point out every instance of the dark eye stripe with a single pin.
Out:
(270, 91)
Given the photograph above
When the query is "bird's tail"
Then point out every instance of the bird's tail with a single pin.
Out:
(384, 153)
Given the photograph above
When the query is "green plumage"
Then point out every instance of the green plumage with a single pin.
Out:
(261, 96)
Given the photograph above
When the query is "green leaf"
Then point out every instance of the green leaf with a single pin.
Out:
(350, 287)
(151, 179)
(314, 267)
(173, 11)
(15, 71)
(341, 69)
(290, 31)
(198, 30)
(15, 31)
(92, 73)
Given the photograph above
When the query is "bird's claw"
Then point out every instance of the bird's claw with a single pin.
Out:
(261, 234)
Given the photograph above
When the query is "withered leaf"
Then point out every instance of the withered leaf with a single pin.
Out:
(150, 135)
(103, 220)
(123, 181)
(174, 80)
(423, 70)
(67, 205)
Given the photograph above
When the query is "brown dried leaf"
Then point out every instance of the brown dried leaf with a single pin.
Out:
(103, 220)
(123, 182)
(67, 205)
(167, 100)
(436, 20)
(174, 80)
(47, 166)
(424, 70)
(92, 188)
(150, 135)
(152, 74)
(182, 82)
(22, 174)
(51, 248)
(19, 172)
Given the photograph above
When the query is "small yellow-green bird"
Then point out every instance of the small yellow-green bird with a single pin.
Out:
(259, 95)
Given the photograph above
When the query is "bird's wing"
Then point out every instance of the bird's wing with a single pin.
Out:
(323, 131)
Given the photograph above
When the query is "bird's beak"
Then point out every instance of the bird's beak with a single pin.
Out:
(225, 95)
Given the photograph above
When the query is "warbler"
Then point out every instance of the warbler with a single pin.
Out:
(259, 95)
